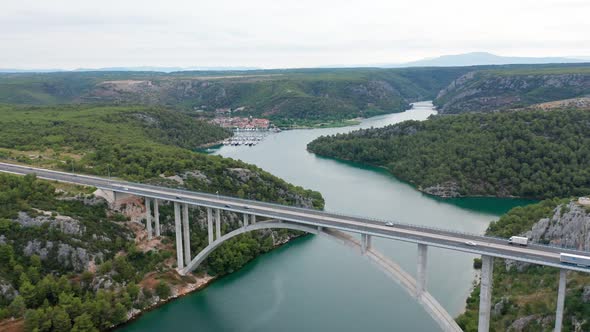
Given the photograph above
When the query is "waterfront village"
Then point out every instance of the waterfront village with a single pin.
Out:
(248, 131)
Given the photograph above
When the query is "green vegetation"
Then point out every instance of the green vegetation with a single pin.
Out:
(50, 239)
(33, 256)
(532, 154)
(516, 87)
(135, 143)
(303, 97)
(529, 290)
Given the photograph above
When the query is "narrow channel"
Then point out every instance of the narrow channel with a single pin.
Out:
(314, 284)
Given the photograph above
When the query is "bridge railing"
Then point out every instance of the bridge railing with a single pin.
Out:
(115, 183)
(373, 219)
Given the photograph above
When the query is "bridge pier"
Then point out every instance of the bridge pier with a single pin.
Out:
(252, 218)
(365, 243)
(217, 224)
(157, 216)
(560, 300)
(245, 223)
(186, 233)
(421, 273)
(485, 295)
(148, 217)
(178, 231)
(210, 225)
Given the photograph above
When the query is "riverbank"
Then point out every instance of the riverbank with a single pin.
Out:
(315, 274)
(186, 288)
(334, 124)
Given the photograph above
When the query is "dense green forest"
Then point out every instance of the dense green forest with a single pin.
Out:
(509, 88)
(51, 236)
(306, 97)
(46, 261)
(532, 154)
(529, 292)
(288, 97)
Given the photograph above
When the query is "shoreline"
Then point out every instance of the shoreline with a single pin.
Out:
(186, 290)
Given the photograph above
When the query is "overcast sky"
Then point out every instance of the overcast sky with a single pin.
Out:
(282, 33)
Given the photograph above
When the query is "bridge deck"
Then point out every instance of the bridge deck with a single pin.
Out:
(536, 254)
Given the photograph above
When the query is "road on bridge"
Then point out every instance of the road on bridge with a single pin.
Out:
(536, 254)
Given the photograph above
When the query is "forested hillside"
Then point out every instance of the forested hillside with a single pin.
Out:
(69, 260)
(288, 97)
(500, 89)
(534, 154)
(524, 296)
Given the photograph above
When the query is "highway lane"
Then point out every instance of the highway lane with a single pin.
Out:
(537, 254)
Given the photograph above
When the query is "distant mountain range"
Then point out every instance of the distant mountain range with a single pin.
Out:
(453, 60)
(484, 58)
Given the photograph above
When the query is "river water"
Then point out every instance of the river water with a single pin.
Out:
(315, 284)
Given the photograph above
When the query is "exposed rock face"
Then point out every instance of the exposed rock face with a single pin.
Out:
(499, 307)
(181, 178)
(446, 190)
(35, 247)
(586, 294)
(521, 323)
(484, 92)
(66, 224)
(7, 292)
(227, 93)
(243, 174)
(568, 227)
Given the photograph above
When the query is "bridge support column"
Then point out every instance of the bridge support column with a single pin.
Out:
(217, 224)
(157, 216)
(365, 243)
(245, 220)
(252, 218)
(560, 300)
(485, 295)
(148, 218)
(178, 231)
(421, 273)
(210, 225)
(185, 232)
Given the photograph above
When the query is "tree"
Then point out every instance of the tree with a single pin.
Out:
(32, 320)
(83, 323)
(163, 290)
(6, 255)
(61, 320)
(17, 306)
(119, 314)
(133, 290)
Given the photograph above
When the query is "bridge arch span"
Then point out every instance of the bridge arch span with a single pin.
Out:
(386, 265)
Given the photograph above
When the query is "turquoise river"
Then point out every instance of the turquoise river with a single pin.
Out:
(315, 284)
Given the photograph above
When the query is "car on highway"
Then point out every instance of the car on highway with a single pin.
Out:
(389, 223)
(227, 206)
(471, 243)
(245, 207)
(125, 188)
(178, 197)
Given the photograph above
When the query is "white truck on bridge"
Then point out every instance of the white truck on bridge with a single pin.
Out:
(520, 240)
(574, 259)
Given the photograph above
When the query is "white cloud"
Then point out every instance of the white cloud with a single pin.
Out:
(279, 33)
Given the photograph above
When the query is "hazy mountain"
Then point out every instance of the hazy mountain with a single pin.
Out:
(483, 58)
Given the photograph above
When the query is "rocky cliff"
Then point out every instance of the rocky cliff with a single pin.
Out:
(569, 226)
(486, 91)
(524, 295)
